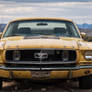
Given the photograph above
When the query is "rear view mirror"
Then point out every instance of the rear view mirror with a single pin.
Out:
(84, 35)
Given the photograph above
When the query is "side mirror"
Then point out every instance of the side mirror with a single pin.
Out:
(84, 35)
(0, 34)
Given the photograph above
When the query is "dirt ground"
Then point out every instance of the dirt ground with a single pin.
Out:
(69, 86)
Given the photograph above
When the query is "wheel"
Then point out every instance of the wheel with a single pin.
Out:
(1, 83)
(85, 82)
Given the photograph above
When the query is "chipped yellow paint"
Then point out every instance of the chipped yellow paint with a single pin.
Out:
(21, 74)
(41, 43)
(81, 72)
(4, 74)
(53, 74)
(59, 74)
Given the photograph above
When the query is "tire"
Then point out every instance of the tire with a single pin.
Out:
(85, 82)
(1, 83)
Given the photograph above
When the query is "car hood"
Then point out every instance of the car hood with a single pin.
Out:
(53, 43)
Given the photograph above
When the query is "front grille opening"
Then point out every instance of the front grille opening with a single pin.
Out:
(29, 55)
(39, 65)
(9, 55)
(72, 55)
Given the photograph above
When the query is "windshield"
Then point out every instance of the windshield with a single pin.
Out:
(42, 27)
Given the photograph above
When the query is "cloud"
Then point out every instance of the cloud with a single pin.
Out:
(80, 12)
(37, 1)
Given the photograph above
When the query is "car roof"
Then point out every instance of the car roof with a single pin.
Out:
(21, 19)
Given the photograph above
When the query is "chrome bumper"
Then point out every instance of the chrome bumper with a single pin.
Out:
(48, 68)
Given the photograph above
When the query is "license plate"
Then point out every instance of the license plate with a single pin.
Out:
(40, 74)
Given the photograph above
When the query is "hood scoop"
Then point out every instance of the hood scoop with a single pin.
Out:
(41, 37)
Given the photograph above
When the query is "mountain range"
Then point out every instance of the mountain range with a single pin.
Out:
(84, 26)
(2, 26)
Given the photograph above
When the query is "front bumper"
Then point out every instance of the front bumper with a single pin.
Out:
(48, 68)
(55, 73)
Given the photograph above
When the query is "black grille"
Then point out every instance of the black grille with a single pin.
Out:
(53, 60)
(30, 55)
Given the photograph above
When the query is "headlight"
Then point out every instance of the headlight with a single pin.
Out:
(65, 55)
(88, 55)
(16, 55)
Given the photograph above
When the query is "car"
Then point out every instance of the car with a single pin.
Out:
(45, 48)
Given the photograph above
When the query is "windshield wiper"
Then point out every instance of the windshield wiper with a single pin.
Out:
(14, 35)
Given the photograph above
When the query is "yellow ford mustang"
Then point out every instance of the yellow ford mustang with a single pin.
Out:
(45, 48)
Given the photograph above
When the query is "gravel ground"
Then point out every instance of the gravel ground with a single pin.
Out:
(43, 87)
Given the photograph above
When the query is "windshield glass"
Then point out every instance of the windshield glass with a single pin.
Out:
(42, 27)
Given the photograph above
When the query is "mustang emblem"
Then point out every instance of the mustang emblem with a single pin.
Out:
(41, 55)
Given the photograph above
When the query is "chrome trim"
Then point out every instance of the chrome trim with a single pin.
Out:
(44, 62)
(48, 68)
(73, 49)
(18, 68)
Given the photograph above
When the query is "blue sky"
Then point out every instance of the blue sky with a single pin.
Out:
(80, 11)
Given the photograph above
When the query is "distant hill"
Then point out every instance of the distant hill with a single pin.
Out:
(2, 26)
(87, 31)
(84, 26)
(87, 28)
